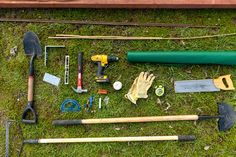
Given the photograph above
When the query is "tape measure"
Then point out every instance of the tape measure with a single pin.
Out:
(160, 90)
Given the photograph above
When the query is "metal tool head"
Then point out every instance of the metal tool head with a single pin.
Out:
(79, 90)
(31, 44)
(227, 117)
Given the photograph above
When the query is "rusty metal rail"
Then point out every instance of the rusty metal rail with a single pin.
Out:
(117, 4)
(77, 22)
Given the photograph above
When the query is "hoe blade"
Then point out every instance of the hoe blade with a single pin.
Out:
(227, 117)
(31, 44)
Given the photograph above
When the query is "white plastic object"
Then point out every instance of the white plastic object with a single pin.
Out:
(51, 79)
(106, 100)
(66, 77)
(117, 85)
(100, 103)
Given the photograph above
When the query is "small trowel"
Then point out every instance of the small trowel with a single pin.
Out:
(206, 85)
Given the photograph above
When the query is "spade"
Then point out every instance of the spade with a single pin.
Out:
(32, 48)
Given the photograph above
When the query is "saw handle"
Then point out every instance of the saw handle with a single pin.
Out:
(224, 82)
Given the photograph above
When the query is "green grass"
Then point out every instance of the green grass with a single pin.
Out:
(14, 71)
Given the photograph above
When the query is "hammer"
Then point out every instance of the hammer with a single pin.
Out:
(80, 70)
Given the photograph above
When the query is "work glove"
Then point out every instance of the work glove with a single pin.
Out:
(131, 95)
(144, 82)
(140, 87)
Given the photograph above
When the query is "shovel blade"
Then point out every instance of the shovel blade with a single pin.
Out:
(228, 117)
(31, 44)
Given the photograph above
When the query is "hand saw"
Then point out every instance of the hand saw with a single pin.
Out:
(206, 85)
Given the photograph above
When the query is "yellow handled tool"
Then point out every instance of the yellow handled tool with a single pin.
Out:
(207, 85)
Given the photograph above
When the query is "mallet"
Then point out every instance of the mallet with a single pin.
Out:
(227, 117)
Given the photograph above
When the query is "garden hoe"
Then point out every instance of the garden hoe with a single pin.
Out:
(227, 117)
(32, 48)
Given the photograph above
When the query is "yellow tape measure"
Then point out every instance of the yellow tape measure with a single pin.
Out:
(160, 90)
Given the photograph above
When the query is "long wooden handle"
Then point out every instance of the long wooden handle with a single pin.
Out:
(30, 88)
(68, 36)
(117, 139)
(126, 120)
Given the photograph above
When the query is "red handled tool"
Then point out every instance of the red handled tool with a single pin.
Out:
(79, 88)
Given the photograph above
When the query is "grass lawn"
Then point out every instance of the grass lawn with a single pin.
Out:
(14, 74)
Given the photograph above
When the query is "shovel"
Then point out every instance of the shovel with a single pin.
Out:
(32, 48)
(226, 116)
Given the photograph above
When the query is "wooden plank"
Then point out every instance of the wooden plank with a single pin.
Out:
(118, 4)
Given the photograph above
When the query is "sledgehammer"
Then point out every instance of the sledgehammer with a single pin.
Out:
(80, 71)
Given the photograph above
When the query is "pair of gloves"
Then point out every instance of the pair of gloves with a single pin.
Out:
(140, 87)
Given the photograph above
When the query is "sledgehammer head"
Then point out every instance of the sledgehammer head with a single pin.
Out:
(80, 90)
(227, 117)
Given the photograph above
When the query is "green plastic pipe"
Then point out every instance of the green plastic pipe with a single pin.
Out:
(183, 57)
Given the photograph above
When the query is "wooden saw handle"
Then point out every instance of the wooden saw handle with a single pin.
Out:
(224, 82)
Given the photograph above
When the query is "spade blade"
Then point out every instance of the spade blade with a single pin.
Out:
(227, 117)
(31, 44)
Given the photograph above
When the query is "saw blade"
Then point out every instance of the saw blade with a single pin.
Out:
(187, 86)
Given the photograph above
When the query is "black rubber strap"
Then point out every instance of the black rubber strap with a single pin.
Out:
(80, 62)
(67, 122)
(205, 117)
(186, 138)
(31, 141)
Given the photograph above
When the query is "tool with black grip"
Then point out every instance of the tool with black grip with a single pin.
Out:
(102, 62)
(227, 117)
(32, 48)
(180, 138)
(80, 75)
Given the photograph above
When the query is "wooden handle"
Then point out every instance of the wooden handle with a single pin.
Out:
(126, 120)
(68, 36)
(109, 139)
(30, 88)
(224, 82)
